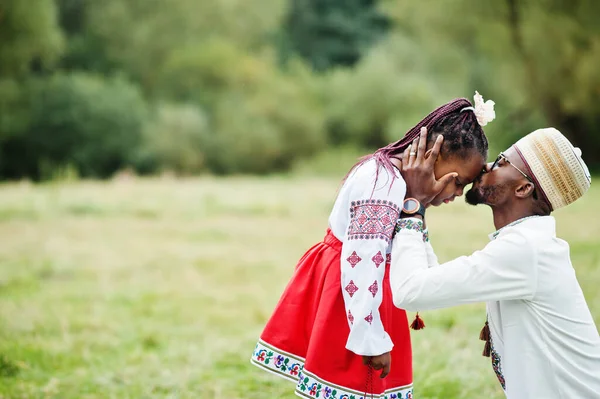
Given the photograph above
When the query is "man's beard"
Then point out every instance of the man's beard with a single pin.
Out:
(484, 195)
(473, 197)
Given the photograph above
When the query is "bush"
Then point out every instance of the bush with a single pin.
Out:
(16, 159)
(175, 141)
(380, 99)
(266, 130)
(78, 121)
(202, 73)
(243, 141)
(260, 118)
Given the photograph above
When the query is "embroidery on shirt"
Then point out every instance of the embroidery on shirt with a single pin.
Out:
(351, 288)
(377, 259)
(350, 317)
(374, 288)
(369, 318)
(495, 234)
(372, 219)
(408, 224)
(497, 366)
(353, 259)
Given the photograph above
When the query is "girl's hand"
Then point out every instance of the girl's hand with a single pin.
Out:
(380, 362)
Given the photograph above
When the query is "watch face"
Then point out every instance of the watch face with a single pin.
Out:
(411, 205)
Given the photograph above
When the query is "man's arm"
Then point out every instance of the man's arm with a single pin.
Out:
(503, 270)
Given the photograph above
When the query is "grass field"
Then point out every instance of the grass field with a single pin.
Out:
(159, 288)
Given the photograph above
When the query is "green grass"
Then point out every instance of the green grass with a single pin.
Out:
(160, 288)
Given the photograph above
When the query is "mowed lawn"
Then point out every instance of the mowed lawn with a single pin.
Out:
(159, 288)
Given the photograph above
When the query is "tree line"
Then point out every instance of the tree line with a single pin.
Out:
(250, 86)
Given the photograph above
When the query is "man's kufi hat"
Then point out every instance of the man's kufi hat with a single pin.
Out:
(558, 171)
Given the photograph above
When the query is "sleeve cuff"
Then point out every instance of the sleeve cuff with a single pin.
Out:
(411, 224)
(370, 345)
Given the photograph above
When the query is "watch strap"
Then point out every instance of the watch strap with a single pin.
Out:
(421, 210)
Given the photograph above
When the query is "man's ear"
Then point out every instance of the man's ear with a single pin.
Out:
(525, 190)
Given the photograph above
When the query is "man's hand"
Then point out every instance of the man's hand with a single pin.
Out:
(381, 362)
(417, 170)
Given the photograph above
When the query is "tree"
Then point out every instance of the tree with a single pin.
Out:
(537, 59)
(332, 32)
(558, 43)
(139, 37)
(29, 36)
(91, 124)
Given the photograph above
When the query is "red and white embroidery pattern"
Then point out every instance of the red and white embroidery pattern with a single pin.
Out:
(350, 317)
(369, 318)
(351, 288)
(377, 259)
(354, 259)
(388, 258)
(374, 288)
(372, 219)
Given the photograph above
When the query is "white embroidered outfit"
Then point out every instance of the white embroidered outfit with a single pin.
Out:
(338, 305)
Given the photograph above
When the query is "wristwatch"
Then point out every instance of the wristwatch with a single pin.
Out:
(412, 206)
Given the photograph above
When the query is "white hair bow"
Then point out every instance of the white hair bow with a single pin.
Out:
(483, 110)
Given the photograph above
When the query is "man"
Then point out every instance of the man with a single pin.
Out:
(541, 335)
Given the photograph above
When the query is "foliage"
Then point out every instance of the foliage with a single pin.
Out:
(266, 126)
(175, 141)
(534, 58)
(261, 118)
(333, 33)
(91, 123)
(356, 73)
(382, 97)
(30, 36)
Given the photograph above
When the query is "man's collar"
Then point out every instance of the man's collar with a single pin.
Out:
(541, 220)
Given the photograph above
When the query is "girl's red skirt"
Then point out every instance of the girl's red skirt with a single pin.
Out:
(304, 340)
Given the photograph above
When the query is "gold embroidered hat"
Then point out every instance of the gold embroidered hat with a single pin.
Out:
(558, 171)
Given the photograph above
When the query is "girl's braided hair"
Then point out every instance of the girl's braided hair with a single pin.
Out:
(460, 128)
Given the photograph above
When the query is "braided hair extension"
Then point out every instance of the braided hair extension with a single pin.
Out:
(462, 134)
(461, 130)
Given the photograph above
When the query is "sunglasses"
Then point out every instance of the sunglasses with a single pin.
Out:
(502, 157)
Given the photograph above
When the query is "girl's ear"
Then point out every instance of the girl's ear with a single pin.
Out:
(428, 154)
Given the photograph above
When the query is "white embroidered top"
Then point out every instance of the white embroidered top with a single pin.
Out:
(544, 340)
(363, 219)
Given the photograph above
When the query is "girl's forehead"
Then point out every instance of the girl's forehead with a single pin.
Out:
(469, 168)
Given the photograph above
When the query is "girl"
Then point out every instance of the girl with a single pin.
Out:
(336, 321)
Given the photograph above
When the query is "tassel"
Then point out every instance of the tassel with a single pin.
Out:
(487, 349)
(484, 335)
(418, 323)
(369, 382)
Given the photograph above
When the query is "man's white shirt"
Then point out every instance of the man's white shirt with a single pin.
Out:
(544, 340)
